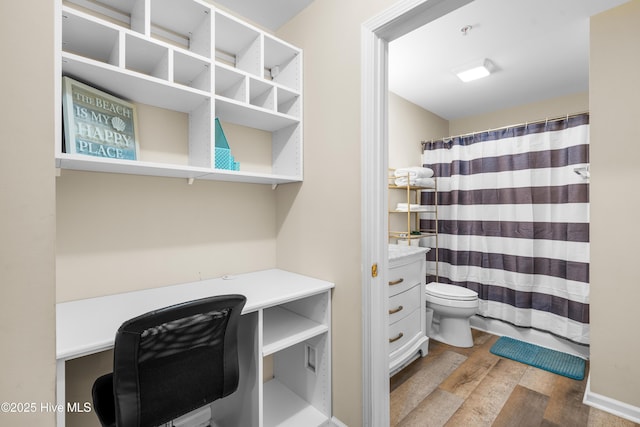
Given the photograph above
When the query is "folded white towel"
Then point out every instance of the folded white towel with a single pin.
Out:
(420, 209)
(404, 207)
(417, 182)
(407, 205)
(425, 182)
(413, 172)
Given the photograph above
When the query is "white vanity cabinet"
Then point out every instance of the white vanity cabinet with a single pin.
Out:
(406, 291)
(186, 56)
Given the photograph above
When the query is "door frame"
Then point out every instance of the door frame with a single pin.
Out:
(376, 33)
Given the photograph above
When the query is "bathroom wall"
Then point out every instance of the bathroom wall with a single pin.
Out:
(615, 173)
(409, 124)
(541, 110)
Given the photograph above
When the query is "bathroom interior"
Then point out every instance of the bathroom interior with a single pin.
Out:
(441, 123)
(509, 251)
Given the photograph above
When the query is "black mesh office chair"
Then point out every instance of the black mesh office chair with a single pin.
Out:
(171, 361)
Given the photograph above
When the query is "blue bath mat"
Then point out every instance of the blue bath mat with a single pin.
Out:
(550, 360)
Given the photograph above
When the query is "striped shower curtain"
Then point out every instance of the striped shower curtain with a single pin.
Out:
(514, 222)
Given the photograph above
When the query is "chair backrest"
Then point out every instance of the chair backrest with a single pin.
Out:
(176, 359)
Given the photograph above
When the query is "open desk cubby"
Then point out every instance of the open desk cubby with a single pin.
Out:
(186, 56)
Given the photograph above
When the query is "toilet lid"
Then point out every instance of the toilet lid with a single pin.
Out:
(454, 292)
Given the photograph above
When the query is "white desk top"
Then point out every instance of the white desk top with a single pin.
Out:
(89, 326)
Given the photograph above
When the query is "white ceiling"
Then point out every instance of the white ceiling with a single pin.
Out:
(540, 49)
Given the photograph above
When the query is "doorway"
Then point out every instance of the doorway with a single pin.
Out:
(403, 17)
(377, 33)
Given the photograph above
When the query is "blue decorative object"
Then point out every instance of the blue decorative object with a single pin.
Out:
(554, 361)
(224, 159)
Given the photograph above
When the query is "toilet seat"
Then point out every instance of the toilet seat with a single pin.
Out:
(450, 292)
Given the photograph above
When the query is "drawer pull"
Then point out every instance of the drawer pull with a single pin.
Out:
(396, 282)
(396, 310)
(396, 338)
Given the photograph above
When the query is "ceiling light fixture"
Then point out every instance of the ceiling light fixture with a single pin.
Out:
(475, 70)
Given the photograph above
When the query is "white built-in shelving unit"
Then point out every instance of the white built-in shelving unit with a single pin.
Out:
(295, 336)
(190, 57)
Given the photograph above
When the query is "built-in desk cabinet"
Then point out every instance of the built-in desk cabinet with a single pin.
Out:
(190, 57)
(286, 322)
(295, 335)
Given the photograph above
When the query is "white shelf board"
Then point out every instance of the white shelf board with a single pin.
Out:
(248, 115)
(133, 86)
(133, 167)
(249, 177)
(242, 74)
(284, 328)
(284, 408)
(99, 164)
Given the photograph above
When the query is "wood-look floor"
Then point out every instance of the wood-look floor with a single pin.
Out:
(472, 387)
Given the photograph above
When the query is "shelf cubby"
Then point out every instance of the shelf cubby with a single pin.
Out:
(284, 328)
(82, 35)
(261, 94)
(146, 57)
(284, 62)
(191, 71)
(191, 28)
(296, 335)
(230, 83)
(202, 62)
(235, 39)
(288, 102)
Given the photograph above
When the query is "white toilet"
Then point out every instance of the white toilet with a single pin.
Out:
(452, 307)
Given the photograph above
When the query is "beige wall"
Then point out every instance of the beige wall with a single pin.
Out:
(542, 110)
(615, 174)
(27, 216)
(118, 233)
(319, 220)
(409, 124)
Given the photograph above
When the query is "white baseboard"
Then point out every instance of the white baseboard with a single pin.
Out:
(612, 406)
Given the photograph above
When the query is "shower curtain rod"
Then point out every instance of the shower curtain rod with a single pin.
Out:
(554, 119)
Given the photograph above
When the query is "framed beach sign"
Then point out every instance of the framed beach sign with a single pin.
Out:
(98, 124)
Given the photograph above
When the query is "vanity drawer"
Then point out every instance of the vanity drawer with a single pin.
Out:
(404, 330)
(403, 304)
(404, 276)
